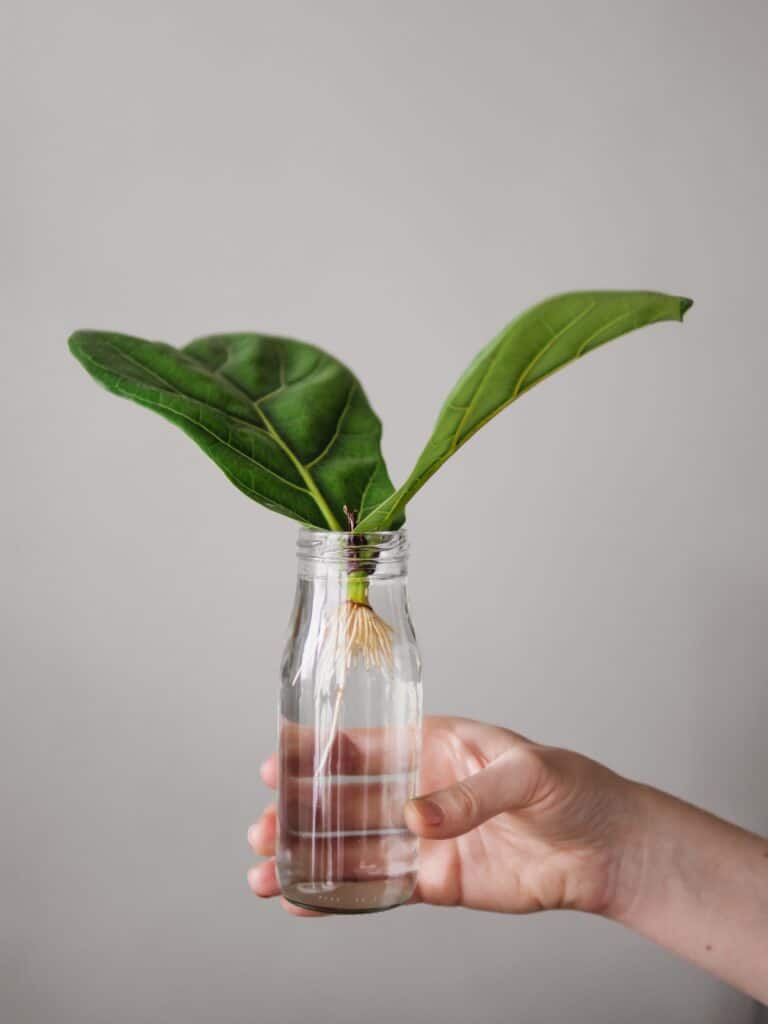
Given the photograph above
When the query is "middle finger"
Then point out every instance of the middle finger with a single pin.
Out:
(262, 835)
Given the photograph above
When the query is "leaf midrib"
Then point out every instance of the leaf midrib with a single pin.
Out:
(458, 440)
(310, 488)
(175, 389)
(217, 437)
(301, 469)
(400, 498)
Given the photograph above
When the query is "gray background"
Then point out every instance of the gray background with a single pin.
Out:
(394, 182)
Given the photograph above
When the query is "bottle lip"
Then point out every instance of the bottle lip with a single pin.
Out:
(378, 549)
(315, 532)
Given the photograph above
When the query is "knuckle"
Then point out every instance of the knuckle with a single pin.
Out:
(465, 801)
(540, 774)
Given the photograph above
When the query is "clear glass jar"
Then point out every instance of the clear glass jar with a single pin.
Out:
(349, 731)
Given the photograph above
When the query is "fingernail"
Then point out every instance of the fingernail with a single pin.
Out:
(253, 835)
(253, 877)
(431, 813)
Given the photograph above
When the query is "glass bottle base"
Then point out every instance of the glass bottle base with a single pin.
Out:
(361, 897)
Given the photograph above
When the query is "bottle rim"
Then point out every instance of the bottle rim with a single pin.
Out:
(353, 550)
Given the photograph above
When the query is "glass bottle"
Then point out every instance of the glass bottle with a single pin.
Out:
(349, 730)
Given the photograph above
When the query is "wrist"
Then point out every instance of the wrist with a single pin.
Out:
(696, 885)
(635, 855)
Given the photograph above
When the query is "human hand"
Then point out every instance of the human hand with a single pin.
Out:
(510, 825)
(505, 824)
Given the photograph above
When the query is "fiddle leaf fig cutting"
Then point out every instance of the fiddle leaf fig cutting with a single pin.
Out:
(292, 428)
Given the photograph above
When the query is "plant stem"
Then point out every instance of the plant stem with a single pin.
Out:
(357, 581)
(357, 587)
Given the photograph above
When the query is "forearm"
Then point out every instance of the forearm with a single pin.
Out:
(698, 886)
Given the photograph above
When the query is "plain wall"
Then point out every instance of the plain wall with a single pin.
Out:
(393, 182)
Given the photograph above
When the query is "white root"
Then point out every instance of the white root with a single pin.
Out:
(353, 633)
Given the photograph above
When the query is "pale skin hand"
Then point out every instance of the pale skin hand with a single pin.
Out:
(513, 826)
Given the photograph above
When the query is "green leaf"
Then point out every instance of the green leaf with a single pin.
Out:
(289, 424)
(542, 340)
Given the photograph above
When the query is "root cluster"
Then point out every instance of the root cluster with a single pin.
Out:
(354, 632)
(363, 634)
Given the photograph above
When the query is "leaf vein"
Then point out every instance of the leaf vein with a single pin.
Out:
(604, 327)
(545, 348)
(311, 485)
(337, 431)
(173, 388)
(216, 436)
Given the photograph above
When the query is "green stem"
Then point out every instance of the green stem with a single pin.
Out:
(357, 587)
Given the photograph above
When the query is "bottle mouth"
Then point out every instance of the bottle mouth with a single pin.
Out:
(353, 552)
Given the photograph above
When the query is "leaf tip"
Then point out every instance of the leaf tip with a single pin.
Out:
(77, 343)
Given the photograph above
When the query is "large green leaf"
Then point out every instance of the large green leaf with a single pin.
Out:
(289, 424)
(535, 345)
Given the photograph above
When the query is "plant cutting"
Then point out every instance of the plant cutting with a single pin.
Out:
(291, 427)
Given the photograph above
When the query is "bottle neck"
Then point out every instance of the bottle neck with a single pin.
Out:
(352, 560)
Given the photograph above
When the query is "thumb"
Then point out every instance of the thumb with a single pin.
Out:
(511, 782)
